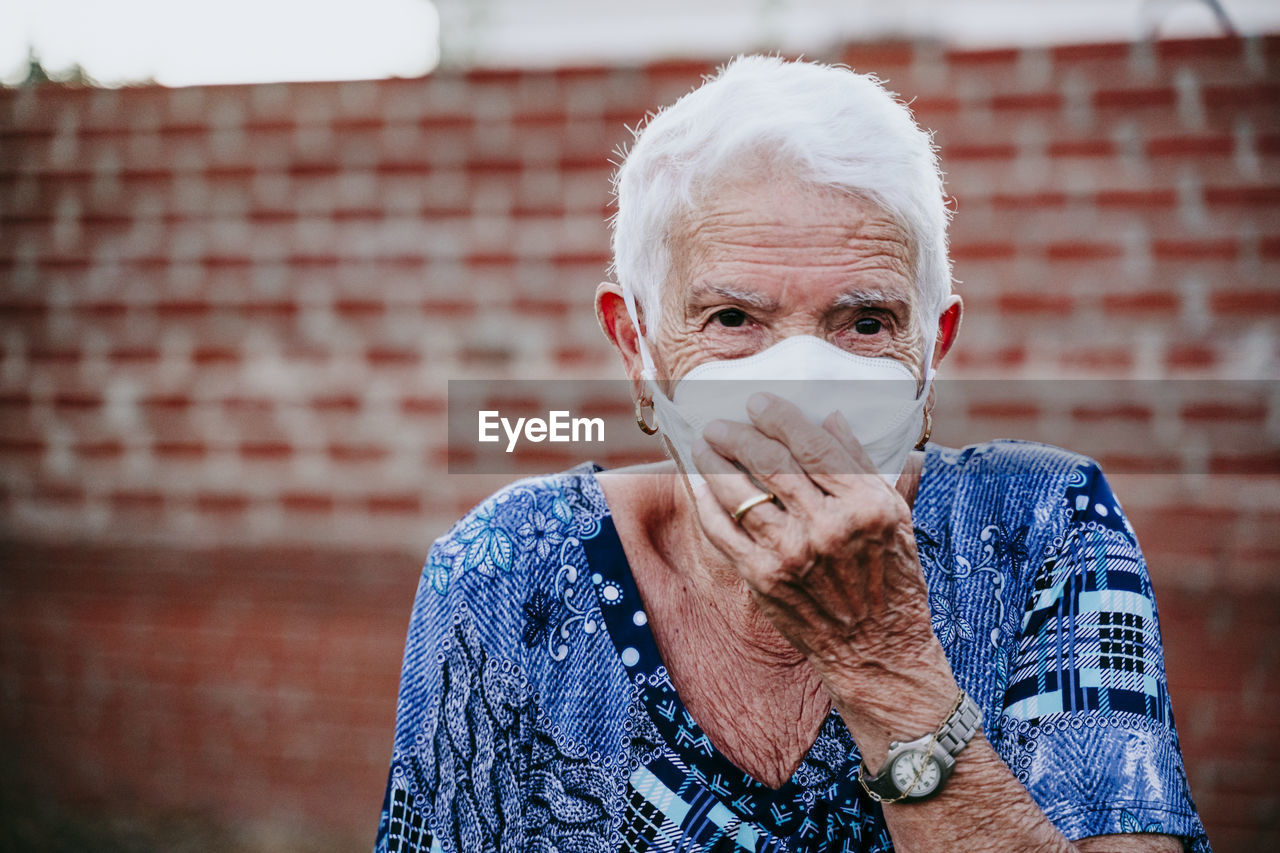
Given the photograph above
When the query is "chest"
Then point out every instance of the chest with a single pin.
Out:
(761, 713)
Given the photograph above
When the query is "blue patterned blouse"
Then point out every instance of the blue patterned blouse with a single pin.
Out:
(536, 715)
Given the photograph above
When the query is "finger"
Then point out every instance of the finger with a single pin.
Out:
(731, 488)
(767, 461)
(720, 529)
(819, 454)
(838, 426)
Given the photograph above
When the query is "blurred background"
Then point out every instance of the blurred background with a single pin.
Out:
(244, 247)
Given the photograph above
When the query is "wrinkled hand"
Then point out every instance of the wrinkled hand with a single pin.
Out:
(832, 562)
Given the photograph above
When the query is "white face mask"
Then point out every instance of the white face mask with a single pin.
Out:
(877, 396)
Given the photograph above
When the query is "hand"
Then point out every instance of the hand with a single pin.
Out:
(832, 562)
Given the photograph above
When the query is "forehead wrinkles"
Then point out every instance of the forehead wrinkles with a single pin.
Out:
(779, 220)
(739, 239)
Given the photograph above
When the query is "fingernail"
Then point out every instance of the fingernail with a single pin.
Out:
(757, 402)
(717, 430)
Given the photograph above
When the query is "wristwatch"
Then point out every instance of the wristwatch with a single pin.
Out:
(917, 769)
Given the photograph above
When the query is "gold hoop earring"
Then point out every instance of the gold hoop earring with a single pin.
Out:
(927, 432)
(644, 427)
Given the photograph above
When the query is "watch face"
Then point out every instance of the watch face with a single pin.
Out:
(906, 767)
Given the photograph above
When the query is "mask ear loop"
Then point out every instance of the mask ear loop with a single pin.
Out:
(649, 372)
(930, 341)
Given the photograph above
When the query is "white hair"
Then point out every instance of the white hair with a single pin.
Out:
(827, 125)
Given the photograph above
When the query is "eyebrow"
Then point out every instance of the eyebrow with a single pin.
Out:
(859, 298)
(862, 298)
(747, 297)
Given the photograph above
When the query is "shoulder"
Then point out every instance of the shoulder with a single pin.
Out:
(1006, 457)
(1020, 481)
(1012, 501)
(518, 530)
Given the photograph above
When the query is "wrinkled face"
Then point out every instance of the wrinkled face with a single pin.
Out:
(766, 259)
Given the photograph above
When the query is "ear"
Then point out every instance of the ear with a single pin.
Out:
(615, 322)
(948, 328)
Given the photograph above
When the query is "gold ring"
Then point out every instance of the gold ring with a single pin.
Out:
(749, 503)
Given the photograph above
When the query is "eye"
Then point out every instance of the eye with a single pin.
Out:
(730, 317)
(868, 326)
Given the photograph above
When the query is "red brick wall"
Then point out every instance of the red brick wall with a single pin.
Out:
(228, 314)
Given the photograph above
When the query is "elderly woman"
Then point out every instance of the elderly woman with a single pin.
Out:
(799, 633)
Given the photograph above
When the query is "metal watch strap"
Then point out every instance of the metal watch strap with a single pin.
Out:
(952, 736)
(960, 727)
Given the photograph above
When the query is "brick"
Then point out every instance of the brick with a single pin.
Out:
(1009, 201)
(359, 307)
(190, 450)
(69, 400)
(1259, 464)
(1190, 146)
(1130, 99)
(423, 406)
(997, 358)
(1199, 48)
(993, 56)
(265, 450)
(972, 251)
(1108, 359)
(879, 58)
(354, 453)
(1150, 198)
(348, 403)
(1072, 53)
(22, 446)
(447, 308)
(222, 504)
(1154, 462)
(1191, 357)
(1253, 413)
(383, 356)
(1195, 250)
(308, 502)
(60, 494)
(1247, 302)
(1081, 251)
(209, 356)
(1003, 410)
(101, 450)
(1141, 302)
(1266, 196)
(1035, 303)
(404, 504)
(925, 106)
(134, 354)
(1129, 412)
(544, 307)
(137, 499)
(979, 151)
(1027, 101)
(1236, 97)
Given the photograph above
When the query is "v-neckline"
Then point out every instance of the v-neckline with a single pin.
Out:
(831, 757)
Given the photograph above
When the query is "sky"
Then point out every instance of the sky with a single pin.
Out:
(180, 42)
